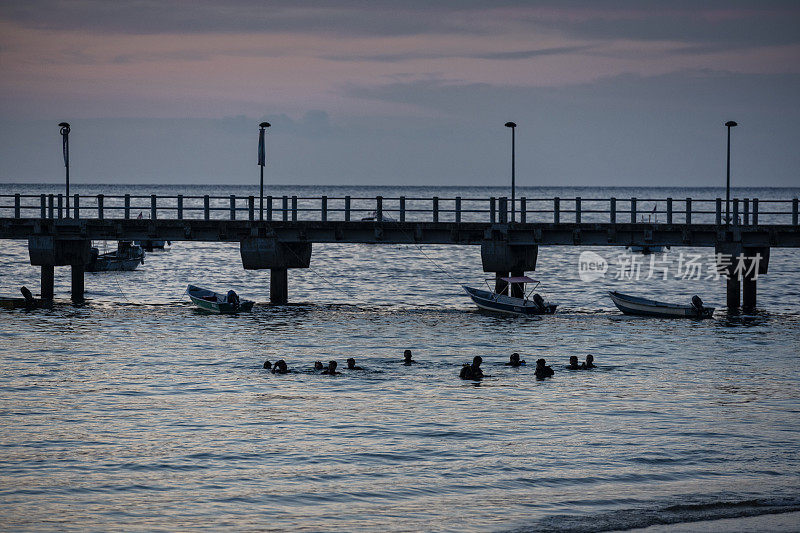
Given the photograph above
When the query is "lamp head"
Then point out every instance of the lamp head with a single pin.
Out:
(510, 125)
(731, 124)
(264, 125)
(64, 128)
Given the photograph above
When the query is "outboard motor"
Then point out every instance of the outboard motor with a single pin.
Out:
(29, 301)
(232, 298)
(697, 303)
(539, 301)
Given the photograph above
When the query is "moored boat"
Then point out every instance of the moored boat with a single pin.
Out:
(150, 245)
(27, 302)
(126, 257)
(532, 304)
(634, 305)
(214, 302)
(647, 249)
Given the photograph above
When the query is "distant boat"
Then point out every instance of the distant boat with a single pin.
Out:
(502, 303)
(373, 217)
(214, 302)
(633, 305)
(150, 245)
(126, 257)
(647, 250)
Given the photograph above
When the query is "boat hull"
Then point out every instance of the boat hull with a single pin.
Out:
(501, 303)
(22, 303)
(113, 264)
(218, 305)
(633, 305)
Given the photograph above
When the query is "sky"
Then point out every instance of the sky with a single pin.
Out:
(613, 93)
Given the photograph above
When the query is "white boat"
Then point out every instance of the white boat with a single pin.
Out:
(126, 257)
(647, 249)
(532, 304)
(150, 245)
(214, 302)
(633, 305)
(373, 217)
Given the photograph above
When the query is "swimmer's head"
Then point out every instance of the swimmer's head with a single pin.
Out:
(540, 362)
(477, 360)
(351, 362)
(318, 365)
(573, 360)
(267, 364)
(331, 365)
(407, 355)
(514, 357)
(589, 358)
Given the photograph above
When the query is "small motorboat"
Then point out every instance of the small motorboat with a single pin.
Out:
(26, 302)
(373, 217)
(532, 304)
(648, 249)
(633, 305)
(214, 302)
(150, 245)
(126, 257)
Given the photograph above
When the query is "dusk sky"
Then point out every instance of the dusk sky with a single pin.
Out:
(373, 92)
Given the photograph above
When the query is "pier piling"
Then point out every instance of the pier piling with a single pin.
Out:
(78, 283)
(278, 285)
(48, 282)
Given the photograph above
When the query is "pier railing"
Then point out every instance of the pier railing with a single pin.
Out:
(743, 211)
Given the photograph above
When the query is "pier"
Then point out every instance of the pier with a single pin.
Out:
(280, 236)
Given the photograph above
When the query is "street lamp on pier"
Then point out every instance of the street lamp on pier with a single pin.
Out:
(261, 161)
(65, 148)
(730, 124)
(513, 127)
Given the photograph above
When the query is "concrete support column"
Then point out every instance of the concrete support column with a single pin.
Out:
(749, 289)
(517, 289)
(278, 285)
(500, 286)
(77, 283)
(48, 281)
(734, 288)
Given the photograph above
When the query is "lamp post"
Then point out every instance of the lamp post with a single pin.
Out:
(261, 160)
(513, 127)
(65, 148)
(730, 124)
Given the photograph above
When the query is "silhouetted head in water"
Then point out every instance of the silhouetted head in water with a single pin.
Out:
(318, 365)
(267, 364)
(477, 373)
(589, 361)
(331, 370)
(351, 364)
(573, 363)
(280, 367)
(514, 360)
(542, 370)
(407, 358)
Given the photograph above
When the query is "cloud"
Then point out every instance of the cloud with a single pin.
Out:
(500, 56)
(726, 21)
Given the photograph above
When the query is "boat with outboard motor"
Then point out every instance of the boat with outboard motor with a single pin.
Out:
(126, 257)
(214, 302)
(634, 305)
(532, 304)
(647, 249)
(150, 245)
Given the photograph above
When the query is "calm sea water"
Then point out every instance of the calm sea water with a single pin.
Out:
(135, 411)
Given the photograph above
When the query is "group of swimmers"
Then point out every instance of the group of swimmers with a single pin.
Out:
(468, 371)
